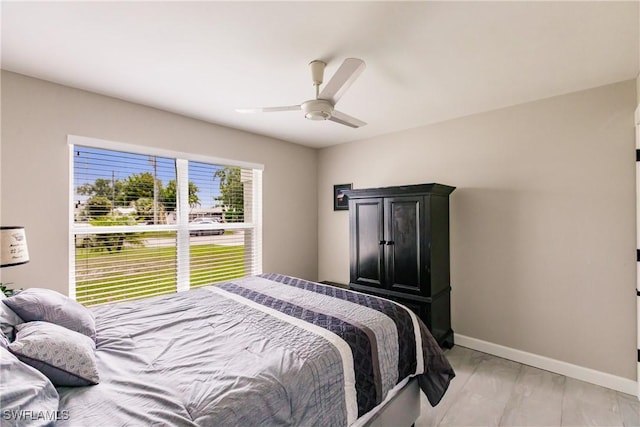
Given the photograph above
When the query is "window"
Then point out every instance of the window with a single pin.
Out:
(151, 222)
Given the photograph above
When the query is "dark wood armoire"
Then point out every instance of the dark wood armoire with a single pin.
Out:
(399, 239)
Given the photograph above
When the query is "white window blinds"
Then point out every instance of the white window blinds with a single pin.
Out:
(145, 225)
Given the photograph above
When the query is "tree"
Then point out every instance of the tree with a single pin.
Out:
(98, 206)
(135, 191)
(137, 186)
(101, 187)
(144, 186)
(114, 242)
(170, 195)
(231, 194)
(144, 209)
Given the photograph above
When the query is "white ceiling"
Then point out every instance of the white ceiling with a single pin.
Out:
(426, 61)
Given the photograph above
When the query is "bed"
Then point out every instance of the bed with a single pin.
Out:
(262, 350)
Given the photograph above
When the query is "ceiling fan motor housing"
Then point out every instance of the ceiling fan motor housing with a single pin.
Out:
(317, 109)
(317, 71)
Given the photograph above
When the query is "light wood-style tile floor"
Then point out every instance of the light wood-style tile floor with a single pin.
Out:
(491, 391)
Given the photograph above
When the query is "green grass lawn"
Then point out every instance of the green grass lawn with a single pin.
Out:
(136, 272)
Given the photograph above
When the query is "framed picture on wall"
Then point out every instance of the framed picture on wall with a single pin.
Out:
(340, 200)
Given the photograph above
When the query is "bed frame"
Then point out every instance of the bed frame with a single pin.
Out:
(403, 409)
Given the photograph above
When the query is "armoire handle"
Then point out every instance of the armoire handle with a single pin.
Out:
(382, 242)
(390, 242)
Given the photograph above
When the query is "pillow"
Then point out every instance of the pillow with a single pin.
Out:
(66, 357)
(24, 390)
(37, 304)
(4, 342)
(8, 320)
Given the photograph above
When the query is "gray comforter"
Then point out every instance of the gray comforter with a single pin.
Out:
(265, 350)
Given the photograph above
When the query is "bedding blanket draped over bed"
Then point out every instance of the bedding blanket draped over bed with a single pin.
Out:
(264, 350)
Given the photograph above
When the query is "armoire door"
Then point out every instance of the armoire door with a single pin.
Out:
(405, 244)
(367, 244)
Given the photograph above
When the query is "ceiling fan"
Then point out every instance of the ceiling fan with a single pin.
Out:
(322, 107)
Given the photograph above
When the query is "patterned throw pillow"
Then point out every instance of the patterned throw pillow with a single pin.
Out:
(66, 357)
(36, 304)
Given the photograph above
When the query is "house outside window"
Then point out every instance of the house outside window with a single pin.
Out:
(147, 222)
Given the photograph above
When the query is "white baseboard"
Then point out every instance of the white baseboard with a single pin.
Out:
(592, 376)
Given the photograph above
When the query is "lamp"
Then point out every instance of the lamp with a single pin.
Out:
(13, 246)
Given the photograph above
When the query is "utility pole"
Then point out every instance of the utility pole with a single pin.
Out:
(154, 163)
(113, 192)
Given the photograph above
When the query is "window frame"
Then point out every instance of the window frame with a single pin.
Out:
(182, 226)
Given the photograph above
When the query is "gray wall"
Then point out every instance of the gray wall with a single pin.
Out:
(542, 221)
(37, 116)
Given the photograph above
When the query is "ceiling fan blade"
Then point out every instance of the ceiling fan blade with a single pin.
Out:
(348, 72)
(268, 109)
(345, 119)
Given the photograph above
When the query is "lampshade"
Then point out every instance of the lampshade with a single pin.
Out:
(13, 246)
